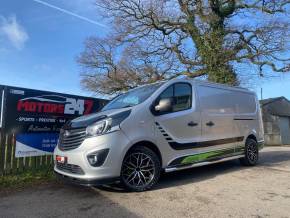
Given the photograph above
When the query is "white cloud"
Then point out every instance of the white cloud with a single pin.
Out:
(13, 31)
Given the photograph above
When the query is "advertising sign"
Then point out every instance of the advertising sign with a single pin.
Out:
(35, 117)
(35, 144)
(39, 111)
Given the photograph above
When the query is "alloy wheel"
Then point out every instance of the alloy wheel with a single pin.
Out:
(138, 170)
(252, 152)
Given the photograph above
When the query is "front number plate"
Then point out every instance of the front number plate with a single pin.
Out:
(61, 159)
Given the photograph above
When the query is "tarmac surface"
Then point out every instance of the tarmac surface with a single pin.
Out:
(221, 190)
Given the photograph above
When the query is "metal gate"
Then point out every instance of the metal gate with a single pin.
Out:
(284, 123)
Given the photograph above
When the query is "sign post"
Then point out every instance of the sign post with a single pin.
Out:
(2, 94)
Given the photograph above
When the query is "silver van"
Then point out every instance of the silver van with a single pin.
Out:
(165, 126)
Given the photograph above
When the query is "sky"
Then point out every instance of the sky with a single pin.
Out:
(41, 39)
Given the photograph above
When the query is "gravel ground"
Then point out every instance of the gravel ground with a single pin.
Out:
(220, 190)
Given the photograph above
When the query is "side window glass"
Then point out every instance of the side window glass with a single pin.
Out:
(182, 97)
(167, 93)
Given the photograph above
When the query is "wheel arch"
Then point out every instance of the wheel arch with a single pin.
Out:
(149, 145)
(252, 136)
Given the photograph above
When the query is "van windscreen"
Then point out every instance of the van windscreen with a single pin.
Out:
(133, 97)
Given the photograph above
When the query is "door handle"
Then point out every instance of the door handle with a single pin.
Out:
(191, 123)
(210, 123)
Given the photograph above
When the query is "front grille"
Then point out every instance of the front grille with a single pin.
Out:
(71, 139)
(70, 168)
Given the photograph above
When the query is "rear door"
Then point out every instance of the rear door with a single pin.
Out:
(183, 123)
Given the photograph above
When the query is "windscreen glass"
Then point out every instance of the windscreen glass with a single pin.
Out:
(133, 97)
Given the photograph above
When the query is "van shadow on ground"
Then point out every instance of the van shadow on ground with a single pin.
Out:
(60, 200)
(183, 177)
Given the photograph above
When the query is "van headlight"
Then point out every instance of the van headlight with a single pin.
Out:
(99, 128)
(108, 124)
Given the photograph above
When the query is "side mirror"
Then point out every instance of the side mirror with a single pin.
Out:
(164, 105)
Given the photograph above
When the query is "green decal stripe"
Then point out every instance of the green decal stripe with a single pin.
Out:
(240, 149)
(207, 156)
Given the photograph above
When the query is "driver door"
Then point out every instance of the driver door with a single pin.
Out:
(182, 122)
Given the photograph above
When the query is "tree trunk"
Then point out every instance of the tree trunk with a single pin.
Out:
(224, 74)
(213, 54)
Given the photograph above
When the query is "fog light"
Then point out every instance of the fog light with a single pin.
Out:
(97, 158)
(93, 159)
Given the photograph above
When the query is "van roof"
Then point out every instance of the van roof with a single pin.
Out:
(198, 81)
(212, 83)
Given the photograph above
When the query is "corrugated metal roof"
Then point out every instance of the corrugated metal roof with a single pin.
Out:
(277, 106)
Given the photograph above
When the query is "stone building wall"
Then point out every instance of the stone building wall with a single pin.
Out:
(271, 129)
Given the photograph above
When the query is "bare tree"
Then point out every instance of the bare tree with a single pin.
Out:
(193, 37)
(109, 68)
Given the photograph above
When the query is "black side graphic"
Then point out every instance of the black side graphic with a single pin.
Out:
(183, 146)
(163, 132)
(191, 145)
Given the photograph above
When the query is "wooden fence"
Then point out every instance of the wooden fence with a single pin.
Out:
(9, 164)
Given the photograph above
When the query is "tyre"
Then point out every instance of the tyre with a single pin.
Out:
(140, 169)
(251, 153)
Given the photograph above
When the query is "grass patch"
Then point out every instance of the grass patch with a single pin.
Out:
(26, 178)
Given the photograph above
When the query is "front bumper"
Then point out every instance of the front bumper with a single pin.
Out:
(117, 143)
(85, 182)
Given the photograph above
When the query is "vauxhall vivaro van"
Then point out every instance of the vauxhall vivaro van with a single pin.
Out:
(165, 126)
